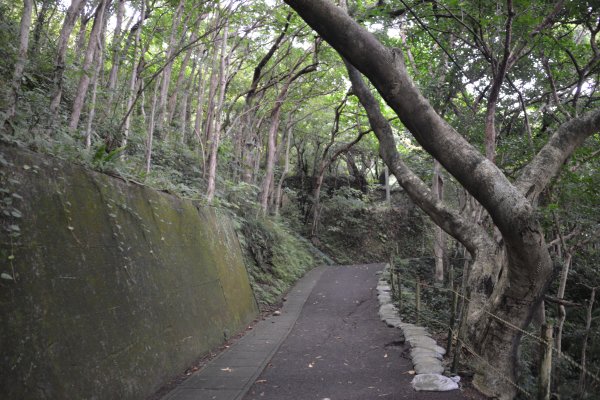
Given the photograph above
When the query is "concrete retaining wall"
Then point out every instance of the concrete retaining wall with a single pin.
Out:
(117, 287)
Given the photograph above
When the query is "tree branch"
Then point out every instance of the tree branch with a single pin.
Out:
(547, 163)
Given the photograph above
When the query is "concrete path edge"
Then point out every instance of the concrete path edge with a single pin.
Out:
(425, 353)
(231, 374)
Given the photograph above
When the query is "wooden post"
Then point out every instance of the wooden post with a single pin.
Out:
(545, 363)
(454, 301)
(392, 273)
(460, 331)
(418, 299)
(399, 292)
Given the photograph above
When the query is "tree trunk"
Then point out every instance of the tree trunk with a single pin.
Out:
(39, 26)
(88, 59)
(116, 52)
(134, 77)
(150, 136)
(172, 103)
(588, 327)
(247, 140)
(439, 242)
(21, 59)
(214, 137)
(59, 64)
(286, 168)
(271, 147)
(388, 199)
(164, 91)
(99, 63)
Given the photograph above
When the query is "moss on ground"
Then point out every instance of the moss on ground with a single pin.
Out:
(275, 258)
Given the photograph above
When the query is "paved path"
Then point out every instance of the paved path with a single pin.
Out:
(329, 346)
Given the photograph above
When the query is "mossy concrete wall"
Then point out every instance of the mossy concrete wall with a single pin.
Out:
(117, 287)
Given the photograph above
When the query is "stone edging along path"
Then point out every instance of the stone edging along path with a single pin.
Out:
(425, 353)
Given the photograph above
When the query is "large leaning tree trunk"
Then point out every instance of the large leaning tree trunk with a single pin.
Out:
(509, 276)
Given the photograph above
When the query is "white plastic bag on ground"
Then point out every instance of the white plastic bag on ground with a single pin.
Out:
(434, 383)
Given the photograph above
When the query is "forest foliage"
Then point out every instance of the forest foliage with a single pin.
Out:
(241, 105)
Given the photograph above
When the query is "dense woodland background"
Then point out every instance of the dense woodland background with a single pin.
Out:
(241, 105)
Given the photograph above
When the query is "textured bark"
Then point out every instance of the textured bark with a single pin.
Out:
(507, 278)
(164, 90)
(150, 137)
(181, 76)
(214, 137)
(59, 64)
(271, 148)
(134, 77)
(39, 26)
(286, 168)
(439, 242)
(88, 59)
(247, 140)
(21, 58)
(99, 62)
(116, 51)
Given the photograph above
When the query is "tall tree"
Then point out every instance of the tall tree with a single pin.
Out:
(508, 276)
(21, 59)
(59, 64)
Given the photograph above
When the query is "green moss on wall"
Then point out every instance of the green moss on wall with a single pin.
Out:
(115, 288)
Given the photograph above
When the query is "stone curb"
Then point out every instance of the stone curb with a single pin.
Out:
(425, 353)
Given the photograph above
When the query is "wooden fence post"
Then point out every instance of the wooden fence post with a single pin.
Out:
(399, 292)
(454, 301)
(418, 299)
(545, 363)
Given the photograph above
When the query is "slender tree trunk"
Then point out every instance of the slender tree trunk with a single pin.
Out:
(164, 91)
(388, 199)
(116, 52)
(588, 327)
(21, 59)
(183, 113)
(99, 63)
(214, 138)
(272, 147)
(200, 106)
(562, 312)
(39, 26)
(150, 137)
(248, 144)
(88, 59)
(59, 64)
(439, 243)
(172, 104)
(134, 72)
(286, 168)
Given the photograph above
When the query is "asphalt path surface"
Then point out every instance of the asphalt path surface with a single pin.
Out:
(339, 349)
